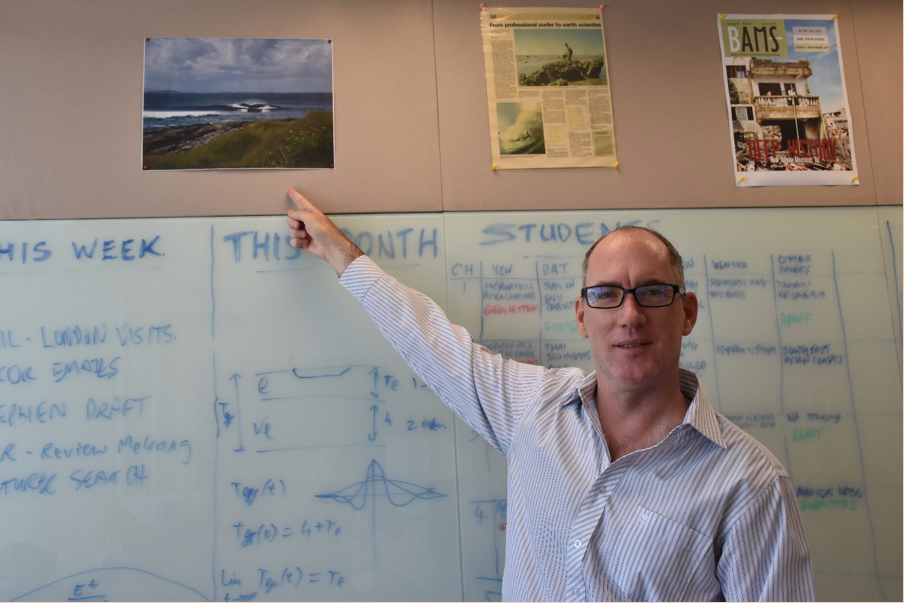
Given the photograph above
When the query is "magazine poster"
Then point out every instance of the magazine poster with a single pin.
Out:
(237, 103)
(548, 89)
(786, 100)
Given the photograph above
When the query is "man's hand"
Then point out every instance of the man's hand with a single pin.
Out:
(315, 233)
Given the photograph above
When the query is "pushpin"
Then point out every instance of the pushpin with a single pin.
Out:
(722, 16)
(854, 178)
(494, 167)
(835, 17)
(482, 7)
(616, 165)
(601, 6)
(742, 179)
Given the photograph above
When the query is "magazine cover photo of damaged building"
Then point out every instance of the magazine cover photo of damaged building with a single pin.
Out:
(788, 110)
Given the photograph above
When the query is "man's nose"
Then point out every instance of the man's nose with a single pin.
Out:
(631, 312)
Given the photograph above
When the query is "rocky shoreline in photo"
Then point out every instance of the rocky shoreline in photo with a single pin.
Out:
(562, 73)
(252, 143)
(173, 139)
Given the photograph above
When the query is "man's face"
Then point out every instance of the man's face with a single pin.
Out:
(635, 348)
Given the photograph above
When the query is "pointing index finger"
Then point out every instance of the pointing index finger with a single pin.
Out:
(300, 201)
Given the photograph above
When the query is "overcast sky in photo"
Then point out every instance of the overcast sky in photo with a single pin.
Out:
(238, 65)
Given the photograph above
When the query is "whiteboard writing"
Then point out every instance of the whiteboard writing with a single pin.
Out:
(191, 409)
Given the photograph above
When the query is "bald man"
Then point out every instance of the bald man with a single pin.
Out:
(623, 484)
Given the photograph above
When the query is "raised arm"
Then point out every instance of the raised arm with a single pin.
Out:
(486, 391)
(312, 231)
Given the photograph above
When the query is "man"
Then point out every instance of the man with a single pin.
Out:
(623, 484)
(568, 55)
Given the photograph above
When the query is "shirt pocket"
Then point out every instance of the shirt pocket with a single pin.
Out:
(656, 558)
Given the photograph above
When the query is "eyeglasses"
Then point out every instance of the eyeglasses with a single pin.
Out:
(649, 296)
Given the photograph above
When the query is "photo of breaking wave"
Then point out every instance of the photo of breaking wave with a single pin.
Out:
(521, 129)
(169, 108)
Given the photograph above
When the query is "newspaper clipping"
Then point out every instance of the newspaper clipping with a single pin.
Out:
(788, 108)
(547, 87)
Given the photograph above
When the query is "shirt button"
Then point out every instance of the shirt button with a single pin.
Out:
(577, 544)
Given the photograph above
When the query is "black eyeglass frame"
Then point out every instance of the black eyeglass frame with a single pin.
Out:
(625, 292)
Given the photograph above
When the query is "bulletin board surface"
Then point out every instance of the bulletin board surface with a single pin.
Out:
(410, 111)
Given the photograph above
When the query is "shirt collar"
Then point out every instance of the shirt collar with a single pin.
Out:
(700, 414)
(585, 390)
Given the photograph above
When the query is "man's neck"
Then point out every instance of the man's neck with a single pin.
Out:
(637, 420)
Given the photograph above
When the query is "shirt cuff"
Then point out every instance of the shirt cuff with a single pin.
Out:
(360, 275)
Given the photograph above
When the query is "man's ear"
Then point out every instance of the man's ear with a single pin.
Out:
(690, 307)
(579, 317)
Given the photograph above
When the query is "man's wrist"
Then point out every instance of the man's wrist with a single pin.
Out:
(344, 255)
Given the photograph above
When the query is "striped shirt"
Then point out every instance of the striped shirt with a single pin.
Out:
(706, 514)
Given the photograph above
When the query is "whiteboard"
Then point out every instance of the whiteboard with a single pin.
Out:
(192, 410)
(795, 342)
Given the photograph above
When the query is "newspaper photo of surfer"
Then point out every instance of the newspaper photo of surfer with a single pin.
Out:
(521, 128)
(547, 57)
(232, 103)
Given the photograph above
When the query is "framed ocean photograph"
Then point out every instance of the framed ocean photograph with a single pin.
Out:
(237, 103)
